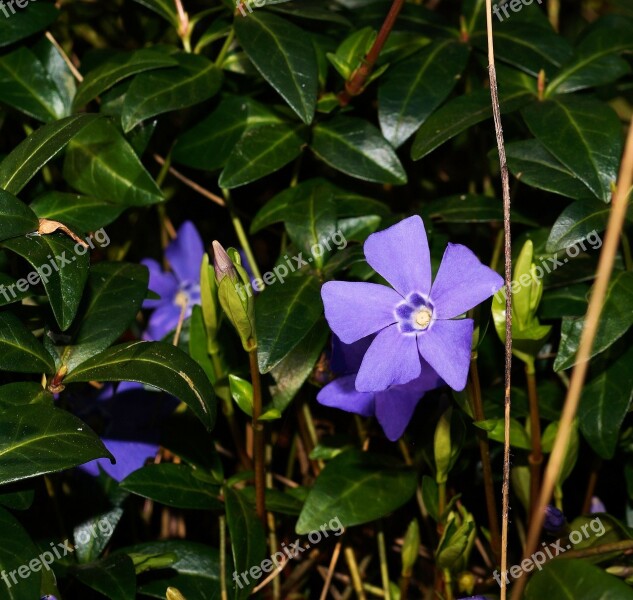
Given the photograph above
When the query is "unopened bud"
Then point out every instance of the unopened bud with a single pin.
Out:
(222, 263)
(174, 594)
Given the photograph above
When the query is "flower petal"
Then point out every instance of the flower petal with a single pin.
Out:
(462, 282)
(342, 394)
(130, 456)
(347, 358)
(395, 407)
(163, 320)
(185, 253)
(356, 309)
(446, 346)
(401, 255)
(392, 359)
(164, 284)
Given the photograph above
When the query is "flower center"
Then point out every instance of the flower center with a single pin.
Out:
(423, 317)
(415, 314)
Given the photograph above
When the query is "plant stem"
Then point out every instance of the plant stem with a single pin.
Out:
(621, 546)
(441, 499)
(384, 568)
(354, 86)
(484, 450)
(352, 565)
(536, 456)
(222, 526)
(258, 439)
(225, 48)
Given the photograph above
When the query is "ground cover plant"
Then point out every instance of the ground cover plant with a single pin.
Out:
(263, 329)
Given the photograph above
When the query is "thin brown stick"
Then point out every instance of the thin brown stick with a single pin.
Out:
(591, 485)
(192, 184)
(579, 373)
(536, 455)
(258, 442)
(507, 251)
(354, 86)
(76, 74)
(331, 569)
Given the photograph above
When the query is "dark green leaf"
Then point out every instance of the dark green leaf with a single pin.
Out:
(285, 57)
(469, 208)
(120, 66)
(284, 314)
(194, 80)
(495, 430)
(24, 161)
(114, 577)
(92, 536)
(584, 135)
(156, 364)
(355, 147)
(20, 394)
(276, 501)
(25, 85)
(20, 351)
(261, 151)
(343, 487)
(567, 301)
(17, 496)
(173, 485)
(164, 8)
(16, 218)
(19, 24)
(101, 163)
(615, 320)
(414, 88)
(61, 265)
(39, 439)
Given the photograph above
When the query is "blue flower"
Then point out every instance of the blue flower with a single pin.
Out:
(392, 407)
(415, 318)
(128, 416)
(554, 519)
(178, 289)
(597, 505)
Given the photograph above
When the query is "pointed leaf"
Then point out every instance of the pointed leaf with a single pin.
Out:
(20, 24)
(20, 350)
(16, 218)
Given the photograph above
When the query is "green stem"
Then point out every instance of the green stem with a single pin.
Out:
(357, 581)
(258, 439)
(225, 48)
(384, 568)
(441, 502)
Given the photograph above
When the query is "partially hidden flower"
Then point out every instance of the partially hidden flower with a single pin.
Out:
(554, 519)
(128, 417)
(393, 407)
(179, 290)
(415, 318)
(597, 505)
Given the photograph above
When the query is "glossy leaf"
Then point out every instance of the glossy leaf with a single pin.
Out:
(164, 8)
(101, 163)
(118, 68)
(194, 80)
(584, 135)
(173, 485)
(342, 488)
(355, 147)
(278, 332)
(26, 159)
(285, 57)
(39, 439)
(113, 576)
(19, 24)
(156, 364)
(27, 392)
(495, 430)
(21, 352)
(62, 267)
(16, 218)
(260, 152)
(414, 88)
(242, 393)
(91, 537)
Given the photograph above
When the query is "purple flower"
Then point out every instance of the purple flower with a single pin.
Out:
(597, 506)
(177, 289)
(415, 317)
(392, 407)
(128, 417)
(554, 519)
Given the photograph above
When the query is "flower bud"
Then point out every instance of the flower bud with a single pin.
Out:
(222, 263)
(554, 519)
(174, 594)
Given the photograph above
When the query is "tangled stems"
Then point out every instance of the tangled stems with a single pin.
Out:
(258, 439)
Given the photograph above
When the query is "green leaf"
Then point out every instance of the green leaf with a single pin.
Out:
(242, 393)
(276, 501)
(21, 352)
(114, 295)
(279, 331)
(101, 163)
(469, 208)
(19, 24)
(495, 430)
(92, 536)
(208, 144)
(262, 151)
(459, 114)
(615, 320)
(414, 88)
(39, 439)
(248, 542)
(173, 485)
(342, 489)
(579, 220)
(57, 71)
(156, 364)
(583, 134)
(25, 85)
(604, 404)
(26, 159)
(78, 212)
(194, 80)
(164, 8)
(16, 218)
(532, 164)
(59, 266)
(355, 147)
(114, 576)
(17, 549)
(573, 578)
(22, 393)
(567, 301)
(117, 68)
(284, 55)
(17, 497)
